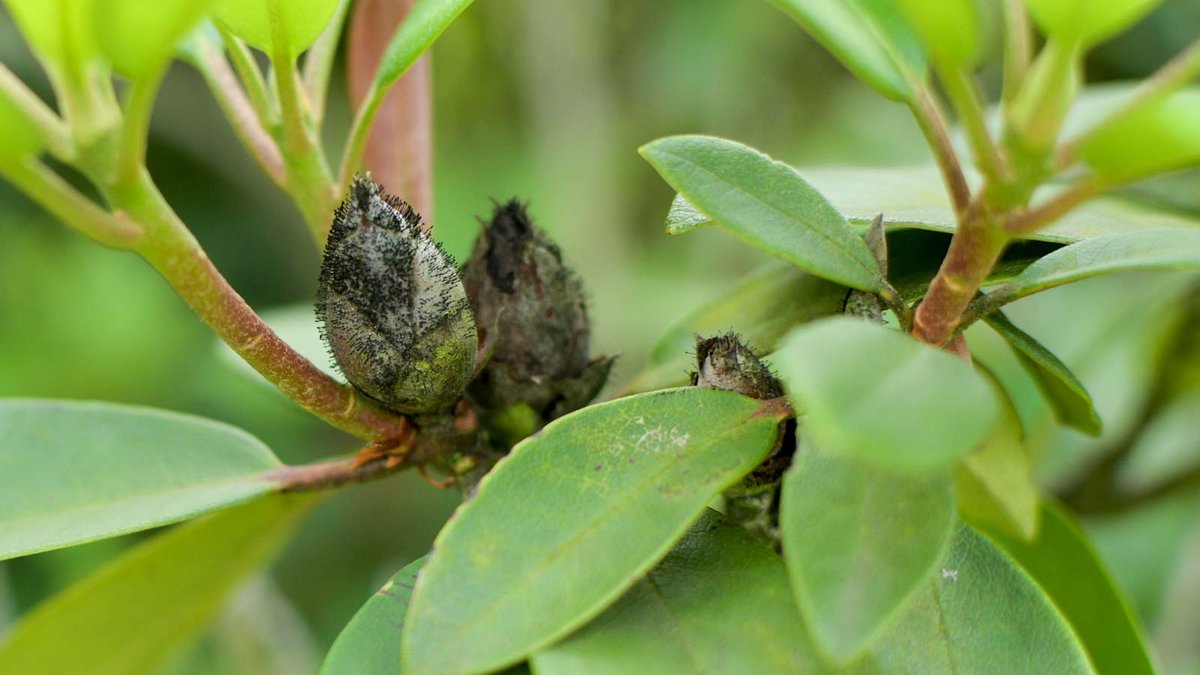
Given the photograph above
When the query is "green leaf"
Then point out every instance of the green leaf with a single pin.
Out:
(1153, 138)
(303, 21)
(870, 37)
(858, 542)
(424, 24)
(684, 217)
(767, 204)
(88, 471)
(1154, 250)
(978, 613)
(607, 489)
(142, 608)
(875, 394)
(1064, 564)
(993, 485)
(949, 29)
(1066, 394)
(59, 31)
(370, 643)
(718, 603)
(140, 43)
(1088, 21)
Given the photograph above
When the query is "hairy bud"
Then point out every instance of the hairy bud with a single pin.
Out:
(391, 305)
(533, 306)
(723, 362)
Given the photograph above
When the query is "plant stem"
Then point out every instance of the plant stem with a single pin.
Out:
(965, 98)
(64, 202)
(241, 114)
(357, 140)
(295, 129)
(251, 76)
(135, 128)
(319, 62)
(933, 126)
(1018, 48)
(55, 134)
(1026, 222)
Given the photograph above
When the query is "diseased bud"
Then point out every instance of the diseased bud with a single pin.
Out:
(532, 309)
(723, 362)
(392, 307)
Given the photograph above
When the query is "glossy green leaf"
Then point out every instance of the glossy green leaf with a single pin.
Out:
(59, 31)
(141, 609)
(1152, 138)
(370, 643)
(858, 542)
(138, 42)
(1153, 250)
(870, 37)
(303, 21)
(1071, 402)
(684, 217)
(1063, 563)
(1088, 21)
(424, 24)
(949, 29)
(993, 484)
(978, 612)
(19, 136)
(875, 394)
(572, 518)
(718, 603)
(87, 471)
(767, 204)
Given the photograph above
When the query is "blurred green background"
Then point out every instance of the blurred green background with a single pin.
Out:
(545, 100)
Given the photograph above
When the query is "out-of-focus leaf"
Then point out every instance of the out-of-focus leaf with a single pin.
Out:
(425, 23)
(370, 643)
(19, 136)
(994, 483)
(767, 204)
(949, 29)
(718, 603)
(1071, 402)
(878, 395)
(1153, 250)
(139, 42)
(870, 38)
(59, 31)
(1088, 21)
(1166, 447)
(303, 21)
(617, 484)
(1157, 137)
(1063, 563)
(858, 543)
(978, 613)
(85, 471)
(141, 609)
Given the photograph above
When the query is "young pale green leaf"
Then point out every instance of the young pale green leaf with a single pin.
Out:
(718, 603)
(88, 471)
(370, 643)
(608, 489)
(1157, 137)
(993, 484)
(19, 136)
(139, 43)
(875, 394)
(141, 609)
(1066, 394)
(1087, 21)
(58, 31)
(1172, 249)
(303, 21)
(767, 204)
(424, 24)
(978, 612)
(858, 542)
(870, 38)
(949, 29)
(1067, 568)
(683, 217)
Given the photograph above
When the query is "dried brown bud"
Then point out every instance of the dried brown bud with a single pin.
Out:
(723, 362)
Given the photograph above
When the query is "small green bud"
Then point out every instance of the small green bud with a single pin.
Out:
(533, 308)
(392, 308)
(723, 362)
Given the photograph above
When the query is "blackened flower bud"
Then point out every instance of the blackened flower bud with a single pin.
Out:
(723, 362)
(533, 307)
(392, 307)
